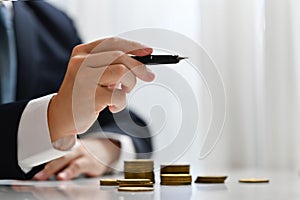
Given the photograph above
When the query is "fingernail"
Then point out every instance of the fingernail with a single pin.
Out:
(147, 50)
(63, 175)
(150, 74)
(149, 70)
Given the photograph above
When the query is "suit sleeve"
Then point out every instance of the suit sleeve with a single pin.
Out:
(10, 115)
(25, 140)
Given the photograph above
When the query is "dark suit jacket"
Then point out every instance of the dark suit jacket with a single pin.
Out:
(45, 37)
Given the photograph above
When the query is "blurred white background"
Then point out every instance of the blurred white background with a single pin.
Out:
(255, 44)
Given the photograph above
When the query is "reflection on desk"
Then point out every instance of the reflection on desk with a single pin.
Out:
(283, 185)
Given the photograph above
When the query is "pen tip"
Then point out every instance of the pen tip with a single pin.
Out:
(181, 58)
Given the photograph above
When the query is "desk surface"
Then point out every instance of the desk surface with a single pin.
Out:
(282, 185)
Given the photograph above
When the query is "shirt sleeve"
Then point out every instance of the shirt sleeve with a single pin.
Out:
(34, 143)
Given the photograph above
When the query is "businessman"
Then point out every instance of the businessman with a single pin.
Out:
(61, 88)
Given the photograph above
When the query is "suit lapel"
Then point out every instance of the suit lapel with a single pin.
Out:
(27, 54)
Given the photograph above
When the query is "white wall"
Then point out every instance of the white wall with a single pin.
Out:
(96, 19)
(255, 44)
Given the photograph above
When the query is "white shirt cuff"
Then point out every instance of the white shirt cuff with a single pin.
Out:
(34, 142)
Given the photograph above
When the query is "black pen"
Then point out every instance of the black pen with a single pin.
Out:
(159, 59)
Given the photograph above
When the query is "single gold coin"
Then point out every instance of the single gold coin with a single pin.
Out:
(135, 189)
(175, 183)
(254, 180)
(139, 161)
(150, 184)
(210, 179)
(134, 181)
(108, 182)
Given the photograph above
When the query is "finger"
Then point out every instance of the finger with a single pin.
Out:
(76, 168)
(55, 166)
(102, 98)
(114, 44)
(115, 99)
(118, 73)
(105, 59)
(141, 52)
(118, 101)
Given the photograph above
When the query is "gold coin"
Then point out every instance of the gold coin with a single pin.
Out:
(128, 181)
(139, 161)
(175, 169)
(108, 182)
(142, 163)
(135, 189)
(149, 174)
(176, 177)
(136, 184)
(175, 183)
(254, 180)
(141, 175)
(210, 179)
(136, 170)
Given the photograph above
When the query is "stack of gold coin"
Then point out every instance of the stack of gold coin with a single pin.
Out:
(175, 175)
(139, 169)
(137, 185)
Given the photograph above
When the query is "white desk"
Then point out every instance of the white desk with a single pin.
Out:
(283, 185)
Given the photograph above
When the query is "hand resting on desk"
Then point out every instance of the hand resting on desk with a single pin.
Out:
(82, 162)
